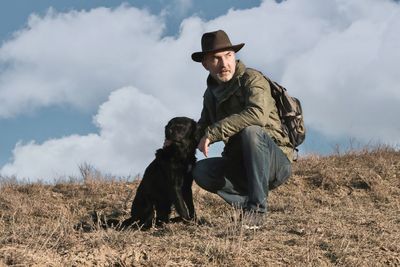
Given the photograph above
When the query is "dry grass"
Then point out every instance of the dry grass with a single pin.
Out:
(337, 210)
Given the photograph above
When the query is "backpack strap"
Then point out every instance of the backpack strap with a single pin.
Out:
(289, 111)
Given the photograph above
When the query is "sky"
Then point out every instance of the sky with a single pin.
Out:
(94, 82)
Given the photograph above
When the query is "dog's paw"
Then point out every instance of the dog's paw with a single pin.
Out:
(203, 222)
(177, 219)
(84, 226)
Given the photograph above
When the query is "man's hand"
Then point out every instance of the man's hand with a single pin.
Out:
(203, 145)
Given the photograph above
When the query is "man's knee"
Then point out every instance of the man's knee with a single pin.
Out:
(251, 131)
(204, 176)
(199, 170)
(201, 174)
(253, 135)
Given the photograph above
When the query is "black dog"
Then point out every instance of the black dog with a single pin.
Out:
(167, 180)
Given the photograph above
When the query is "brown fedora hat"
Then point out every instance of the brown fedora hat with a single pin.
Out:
(214, 42)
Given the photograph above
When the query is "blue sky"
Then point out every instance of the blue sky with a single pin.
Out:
(58, 121)
(95, 81)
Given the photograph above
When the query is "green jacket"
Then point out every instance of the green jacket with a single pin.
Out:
(243, 101)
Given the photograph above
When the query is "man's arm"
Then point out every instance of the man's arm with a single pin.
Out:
(258, 106)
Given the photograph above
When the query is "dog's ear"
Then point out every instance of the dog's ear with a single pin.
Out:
(194, 126)
(196, 131)
(166, 128)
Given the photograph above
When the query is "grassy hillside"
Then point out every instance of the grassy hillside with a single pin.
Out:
(337, 210)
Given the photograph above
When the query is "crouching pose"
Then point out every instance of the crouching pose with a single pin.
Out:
(239, 110)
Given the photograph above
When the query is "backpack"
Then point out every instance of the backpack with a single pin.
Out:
(290, 113)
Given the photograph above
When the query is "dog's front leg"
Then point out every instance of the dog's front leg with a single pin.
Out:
(180, 204)
(188, 195)
(177, 197)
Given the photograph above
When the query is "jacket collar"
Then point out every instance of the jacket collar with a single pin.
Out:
(229, 87)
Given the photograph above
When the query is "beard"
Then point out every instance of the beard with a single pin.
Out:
(223, 77)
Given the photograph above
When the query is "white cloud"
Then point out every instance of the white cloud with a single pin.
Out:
(130, 134)
(348, 80)
(78, 58)
(339, 57)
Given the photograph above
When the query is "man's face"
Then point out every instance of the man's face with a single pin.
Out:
(221, 65)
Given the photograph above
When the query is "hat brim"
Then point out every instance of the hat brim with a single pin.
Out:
(198, 56)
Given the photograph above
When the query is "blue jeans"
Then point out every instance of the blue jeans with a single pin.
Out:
(251, 165)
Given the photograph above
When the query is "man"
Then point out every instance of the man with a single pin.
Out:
(239, 110)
